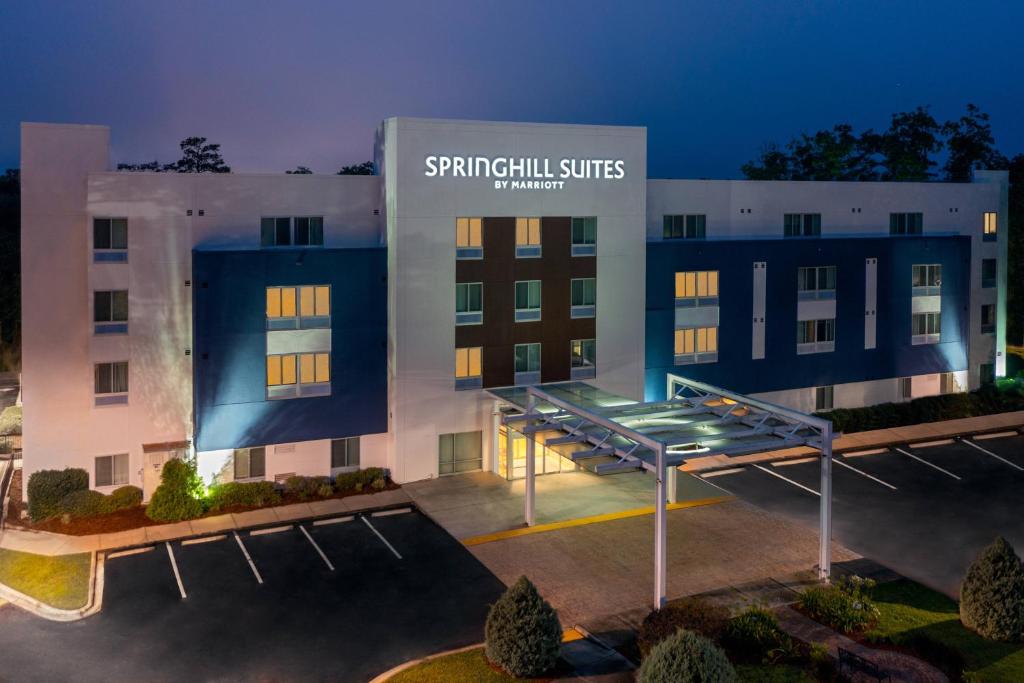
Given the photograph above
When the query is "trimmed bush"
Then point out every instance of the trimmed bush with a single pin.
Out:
(10, 420)
(48, 488)
(844, 605)
(378, 484)
(359, 480)
(245, 494)
(306, 487)
(686, 657)
(694, 614)
(84, 503)
(123, 497)
(992, 594)
(754, 637)
(179, 494)
(326, 489)
(522, 632)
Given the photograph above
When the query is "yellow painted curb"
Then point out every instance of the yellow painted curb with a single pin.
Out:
(582, 521)
(571, 634)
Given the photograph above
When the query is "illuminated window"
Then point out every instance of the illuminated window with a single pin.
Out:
(290, 375)
(527, 238)
(583, 293)
(303, 307)
(584, 236)
(469, 303)
(111, 383)
(110, 312)
(801, 225)
(696, 345)
(697, 288)
(815, 336)
(283, 231)
(527, 293)
(250, 463)
(583, 358)
(111, 470)
(816, 282)
(925, 328)
(906, 223)
(468, 368)
(990, 225)
(926, 279)
(469, 242)
(110, 239)
(684, 226)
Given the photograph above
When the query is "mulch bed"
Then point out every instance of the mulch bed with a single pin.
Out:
(134, 517)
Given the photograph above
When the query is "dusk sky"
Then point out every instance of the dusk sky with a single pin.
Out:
(286, 83)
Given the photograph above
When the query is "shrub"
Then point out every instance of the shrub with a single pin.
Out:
(246, 494)
(360, 479)
(822, 665)
(378, 484)
(686, 657)
(992, 594)
(83, 503)
(754, 636)
(123, 497)
(48, 488)
(522, 632)
(179, 494)
(844, 605)
(10, 420)
(694, 614)
(302, 487)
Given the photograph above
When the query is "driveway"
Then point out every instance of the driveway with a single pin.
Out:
(341, 601)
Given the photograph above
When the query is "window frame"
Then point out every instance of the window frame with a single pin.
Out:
(529, 313)
(904, 223)
(931, 333)
(990, 326)
(684, 226)
(695, 344)
(468, 379)
(990, 226)
(109, 253)
(711, 281)
(471, 315)
(114, 395)
(821, 274)
(118, 476)
(349, 465)
(930, 276)
(801, 225)
(529, 237)
(824, 398)
(989, 281)
(819, 336)
(530, 374)
(270, 233)
(321, 318)
(582, 366)
(586, 243)
(587, 306)
(111, 324)
(249, 475)
(297, 363)
(469, 248)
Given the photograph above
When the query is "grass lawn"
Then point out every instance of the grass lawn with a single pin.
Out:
(61, 581)
(908, 608)
(470, 665)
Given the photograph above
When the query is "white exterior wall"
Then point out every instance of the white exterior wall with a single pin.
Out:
(421, 215)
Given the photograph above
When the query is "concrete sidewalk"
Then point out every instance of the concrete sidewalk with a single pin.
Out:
(45, 543)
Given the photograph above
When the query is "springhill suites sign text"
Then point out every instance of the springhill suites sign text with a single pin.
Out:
(524, 173)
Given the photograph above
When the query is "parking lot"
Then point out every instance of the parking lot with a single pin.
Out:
(924, 510)
(341, 599)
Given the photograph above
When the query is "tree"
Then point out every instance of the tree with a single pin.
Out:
(906, 147)
(686, 657)
(771, 164)
(992, 594)
(179, 495)
(835, 154)
(971, 146)
(197, 156)
(300, 170)
(522, 633)
(150, 166)
(365, 168)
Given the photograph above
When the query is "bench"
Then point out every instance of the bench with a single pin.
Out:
(858, 663)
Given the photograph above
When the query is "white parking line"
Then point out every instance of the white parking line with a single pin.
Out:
(333, 520)
(871, 451)
(388, 513)
(248, 559)
(864, 474)
(798, 461)
(786, 479)
(374, 530)
(911, 455)
(271, 530)
(997, 435)
(719, 473)
(310, 539)
(931, 444)
(988, 452)
(128, 553)
(203, 539)
(174, 566)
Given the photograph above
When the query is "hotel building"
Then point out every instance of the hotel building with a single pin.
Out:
(272, 324)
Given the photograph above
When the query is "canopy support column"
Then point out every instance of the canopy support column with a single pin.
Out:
(660, 536)
(825, 521)
(672, 480)
(531, 466)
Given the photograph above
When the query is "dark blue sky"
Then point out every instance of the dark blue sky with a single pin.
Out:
(286, 83)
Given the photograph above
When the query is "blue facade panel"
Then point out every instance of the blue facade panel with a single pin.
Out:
(229, 346)
(782, 368)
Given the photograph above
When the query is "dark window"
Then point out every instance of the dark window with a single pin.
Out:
(684, 226)
(275, 232)
(801, 224)
(110, 306)
(345, 453)
(988, 272)
(823, 398)
(584, 230)
(584, 291)
(111, 470)
(988, 318)
(583, 353)
(110, 233)
(112, 378)
(906, 223)
(460, 452)
(250, 463)
(309, 231)
(987, 373)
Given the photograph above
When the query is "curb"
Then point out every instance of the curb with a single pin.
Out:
(94, 602)
(413, 662)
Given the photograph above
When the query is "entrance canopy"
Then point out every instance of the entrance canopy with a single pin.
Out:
(607, 434)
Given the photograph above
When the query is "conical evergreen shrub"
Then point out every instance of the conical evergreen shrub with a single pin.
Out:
(179, 494)
(686, 657)
(992, 594)
(522, 632)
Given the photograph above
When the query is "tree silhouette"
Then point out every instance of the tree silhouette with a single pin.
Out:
(365, 168)
(197, 156)
(300, 170)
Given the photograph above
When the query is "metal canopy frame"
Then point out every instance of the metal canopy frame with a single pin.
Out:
(695, 421)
